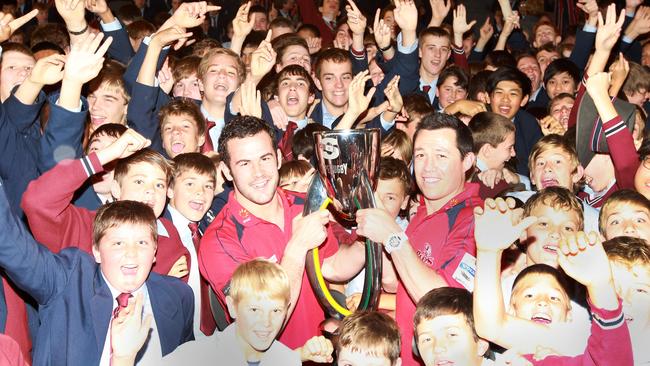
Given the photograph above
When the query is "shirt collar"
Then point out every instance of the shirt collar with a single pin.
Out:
(177, 217)
(246, 218)
(480, 164)
(162, 230)
(115, 292)
(208, 117)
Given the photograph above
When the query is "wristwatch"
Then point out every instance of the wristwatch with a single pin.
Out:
(395, 241)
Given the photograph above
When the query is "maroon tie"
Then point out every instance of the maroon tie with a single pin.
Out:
(196, 235)
(287, 141)
(207, 145)
(426, 88)
(122, 302)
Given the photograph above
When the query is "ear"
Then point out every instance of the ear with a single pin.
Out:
(226, 171)
(485, 151)
(558, 39)
(278, 153)
(511, 309)
(311, 99)
(318, 84)
(170, 193)
(580, 172)
(487, 98)
(232, 309)
(524, 101)
(278, 68)
(201, 89)
(201, 140)
(116, 190)
(98, 257)
(482, 347)
(468, 162)
(419, 52)
(405, 203)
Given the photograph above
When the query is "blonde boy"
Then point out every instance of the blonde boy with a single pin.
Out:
(625, 213)
(368, 339)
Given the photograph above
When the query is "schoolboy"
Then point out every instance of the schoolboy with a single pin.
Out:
(296, 176)
(560, 109)
(295, 92)
(637, 84)
(108, 97)
(561, 76)
(625, 213)
(545, 32)
(142, 176)
(397, 145)
(190, 193)
(17, 63)
(258, 302)
(280, 26)
(545, 55)
(581, 257)
(77, 293)
(291, 49)
(257, 209)
(443, 325)
(368, 338)
(630, 261)
(508, 91)
(527, 63)
(424, 257)
(182, 127)
(186, 82)
(417, 106)
(494, 145)
(451, 86)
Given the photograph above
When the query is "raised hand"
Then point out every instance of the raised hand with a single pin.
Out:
(97, 6)
(174, 34)
(314, 44)
(48, 70)
(393, 95)
(357, 101)
(86, 58)
(190, 15)
(251, 100)
(126, 145)
(550, 125)
(609, 29)
(263, 59)
(460, 21)
(317, 349)
(406, 15)
(129, 330)
(485, 33)
(72, 12)
(619, 70)
(511, 23)
(640, 24)
(582, 257)
(439, 10)
(241, 25)
(356, 20)
(166, 77)
(8, 25)
(381, 31)
(309, 231)
(598, 85)
(497, 225)
(590, 7)
(179, 269)
(490, 177)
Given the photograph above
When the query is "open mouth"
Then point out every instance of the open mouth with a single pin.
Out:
(444, 363)
(97, 120)
(129, 269)
(541, 318)
(177, 147)
(196, 205)
(550, 183)
(550, 248)
(292, 101)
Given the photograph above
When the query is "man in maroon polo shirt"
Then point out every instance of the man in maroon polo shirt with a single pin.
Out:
(261, 220)
(438, 248)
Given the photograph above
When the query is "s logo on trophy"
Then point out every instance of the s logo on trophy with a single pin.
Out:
(347, 172)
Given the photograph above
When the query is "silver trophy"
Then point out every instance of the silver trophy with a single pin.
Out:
(348, 167)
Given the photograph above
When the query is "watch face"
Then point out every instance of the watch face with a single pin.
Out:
(393, 241)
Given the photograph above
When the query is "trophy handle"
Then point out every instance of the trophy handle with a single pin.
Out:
(318, 199)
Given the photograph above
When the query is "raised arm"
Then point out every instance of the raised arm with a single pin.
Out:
(241, 27)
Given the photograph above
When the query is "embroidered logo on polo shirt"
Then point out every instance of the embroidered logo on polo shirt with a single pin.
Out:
(425, 255)
(245, 215)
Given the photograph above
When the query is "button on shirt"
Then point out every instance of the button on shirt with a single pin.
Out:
(151, 352)
(194, 279)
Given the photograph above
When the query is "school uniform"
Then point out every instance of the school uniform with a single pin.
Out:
(75, 300)
(527, 133)
(57, 224)
(442, 240)
(236, 236)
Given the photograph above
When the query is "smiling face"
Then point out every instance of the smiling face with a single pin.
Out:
(496, 157)
(192, 194)
(295, 55)
(253, 168)
(15, 68)
(438, 165)
(294, 96)
(221, 78)
(545, 34)
(125, 255)
(434, 52)
(529, 66)
(259, 320)
(560, 83)
(633, 287)
(543, 237)
(107, 104)
(448, 340)
(334, 80)
(189, 87)
(180, 135)
(627, 219)
(392, 195)
(449, 91)
(144, 182)
(544, 58)
(561, 110)
(506, 98)
(554, 168)
(540, 298)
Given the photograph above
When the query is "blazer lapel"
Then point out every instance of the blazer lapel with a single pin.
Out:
(164, 308)
(101, 306)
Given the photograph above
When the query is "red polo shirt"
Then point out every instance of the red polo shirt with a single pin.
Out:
(236, 236)
(440, 240)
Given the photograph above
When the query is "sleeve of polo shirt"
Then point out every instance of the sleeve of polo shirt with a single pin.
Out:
(459, 241)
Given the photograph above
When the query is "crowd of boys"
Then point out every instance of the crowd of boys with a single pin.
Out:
(156, 159)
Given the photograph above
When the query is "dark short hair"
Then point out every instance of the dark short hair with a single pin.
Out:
(562, 65)
(644, 150)
(445, 301)
(110, 129)
(372, 332)
(47, 46)
(509, 74)
(281, 22)
(438, 121)
(335, 55)
(241, 127)
(478, 84)
(119, 213)
(435, 32)
(143, 156)
(195, 162)
(500, 58)
(294, 70)
(462, 79)
(310, 28)
(303, 141)
(391, 168)
(489, 128)
(545, 269)
(180, 107)
(283, 42)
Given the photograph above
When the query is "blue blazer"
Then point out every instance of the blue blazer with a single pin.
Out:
(75, 301)
(527, 133)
